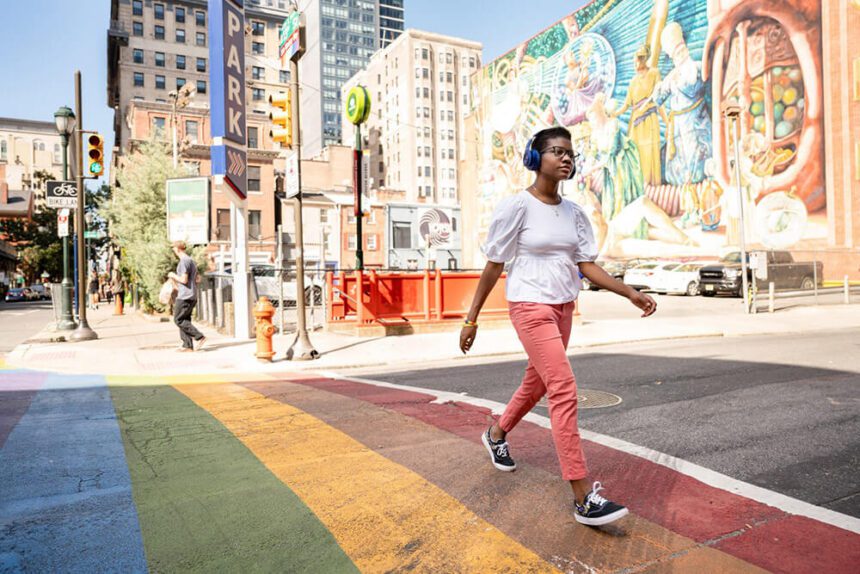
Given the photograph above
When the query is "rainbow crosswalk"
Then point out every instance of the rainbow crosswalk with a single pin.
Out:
(294, 473)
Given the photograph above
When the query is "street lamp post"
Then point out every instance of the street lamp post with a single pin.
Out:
(732, 111)
(64, 118)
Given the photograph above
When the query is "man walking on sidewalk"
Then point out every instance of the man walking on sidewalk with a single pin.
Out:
(186, 299)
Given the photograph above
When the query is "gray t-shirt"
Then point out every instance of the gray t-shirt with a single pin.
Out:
(189, 290)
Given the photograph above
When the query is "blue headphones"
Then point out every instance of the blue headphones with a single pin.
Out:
(531, 159)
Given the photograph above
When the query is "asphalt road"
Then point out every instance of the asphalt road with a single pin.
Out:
(20, 321)
(780, 412)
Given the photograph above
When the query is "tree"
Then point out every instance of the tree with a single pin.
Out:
(137, 218)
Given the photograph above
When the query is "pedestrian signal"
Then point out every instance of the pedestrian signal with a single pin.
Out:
(95, 155)
(282, 119)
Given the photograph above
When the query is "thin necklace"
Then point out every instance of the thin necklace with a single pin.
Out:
(555, 206)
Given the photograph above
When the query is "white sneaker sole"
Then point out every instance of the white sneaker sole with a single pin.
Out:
(600, 521)
(493, 458)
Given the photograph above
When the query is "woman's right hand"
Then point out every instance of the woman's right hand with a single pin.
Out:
(467, 337)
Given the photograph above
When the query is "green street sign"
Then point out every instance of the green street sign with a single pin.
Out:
(358, 105)
(94, 234)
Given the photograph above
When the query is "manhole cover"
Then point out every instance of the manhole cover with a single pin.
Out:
(589, 399)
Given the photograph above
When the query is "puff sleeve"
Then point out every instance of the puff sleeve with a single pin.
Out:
(502, 237)
(586, 250)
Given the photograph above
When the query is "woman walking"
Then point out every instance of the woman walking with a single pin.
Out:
(550, 241)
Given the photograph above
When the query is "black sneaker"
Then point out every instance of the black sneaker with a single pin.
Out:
(498, 452)
(596, 510)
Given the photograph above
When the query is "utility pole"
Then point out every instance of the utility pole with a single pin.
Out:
(83, 331)
(732, 111)
(302, 349)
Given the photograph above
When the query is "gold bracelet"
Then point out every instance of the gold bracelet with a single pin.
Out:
(468, 323)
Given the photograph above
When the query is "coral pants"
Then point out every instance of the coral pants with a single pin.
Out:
(544, 330)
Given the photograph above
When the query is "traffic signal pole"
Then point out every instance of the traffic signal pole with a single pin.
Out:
(83, 331)
(302, 349)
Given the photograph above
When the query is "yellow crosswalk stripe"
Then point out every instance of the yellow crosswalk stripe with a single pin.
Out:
(384, 516)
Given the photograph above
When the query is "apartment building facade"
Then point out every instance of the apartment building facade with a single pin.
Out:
(157, 47)
(342, 35)
(420, 94)
(28, 147)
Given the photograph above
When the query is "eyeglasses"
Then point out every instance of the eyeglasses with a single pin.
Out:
(560, 152)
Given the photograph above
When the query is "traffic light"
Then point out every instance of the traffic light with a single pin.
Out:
(282, 118)
(95, 155)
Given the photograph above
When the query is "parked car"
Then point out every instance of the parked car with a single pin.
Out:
(682, 279)
(18, 294)
(615, 268)
(643, 276)
(40, 291)
(781, 269)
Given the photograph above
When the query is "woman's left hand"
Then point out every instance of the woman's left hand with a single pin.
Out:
(644, 302)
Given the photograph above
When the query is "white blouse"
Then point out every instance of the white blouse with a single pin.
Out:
(545, 242)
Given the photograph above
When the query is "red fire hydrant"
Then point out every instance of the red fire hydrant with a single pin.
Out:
(263, 313)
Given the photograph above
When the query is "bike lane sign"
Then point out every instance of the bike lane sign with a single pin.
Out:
(61, 194)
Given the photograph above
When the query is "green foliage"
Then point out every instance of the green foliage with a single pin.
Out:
(137, 217)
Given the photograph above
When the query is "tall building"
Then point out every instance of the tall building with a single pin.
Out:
(342, 35)
(155, 48)
(390, 21)
(420, 93)
(28, 149)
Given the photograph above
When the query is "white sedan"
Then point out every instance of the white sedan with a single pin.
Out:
(643, 276)
(683, 279)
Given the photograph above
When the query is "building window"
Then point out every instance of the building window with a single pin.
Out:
(371, 242)
(323, 215)
(180, 15)
(201, 18)
(253, 178)
(180, 82)
(180, 62)
(425, 54)
(201, 86)
(159, 59)
(159, 82)
(258, 94)
(58, 153)
(258, 73)
(426, 171)
(201, 38)
(159, 32)
(258, 28)
(138, 79)
(258, 48)
(3, 150)
(201, 64)
(180, 36)
(253, 143)
(159, 11)
(137, 28)
(191, 129)
(255, 230)
(222, 223)
(138, 56)
(283, 76)
(351, 242)
(158, 126)
(401, 235)
(137, 7)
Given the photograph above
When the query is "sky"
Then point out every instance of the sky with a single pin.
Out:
(45, 41)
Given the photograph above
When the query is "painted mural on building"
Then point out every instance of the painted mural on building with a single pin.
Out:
(642, 84)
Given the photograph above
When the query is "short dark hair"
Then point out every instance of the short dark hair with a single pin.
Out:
(180, 245)
(544, 136)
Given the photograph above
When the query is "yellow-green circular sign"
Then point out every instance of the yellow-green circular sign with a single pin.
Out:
(358, 105)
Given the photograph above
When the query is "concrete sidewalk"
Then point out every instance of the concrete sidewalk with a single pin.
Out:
(135, 345)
